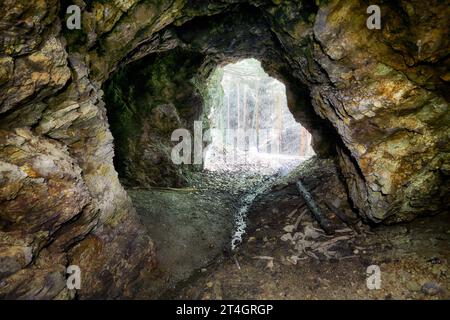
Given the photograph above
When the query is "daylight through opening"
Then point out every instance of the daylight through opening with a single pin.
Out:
(251, 124)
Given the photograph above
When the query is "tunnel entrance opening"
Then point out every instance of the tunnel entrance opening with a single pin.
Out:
(194, 211)
(251, 124)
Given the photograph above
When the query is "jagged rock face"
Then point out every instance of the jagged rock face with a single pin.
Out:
(388, 107)
(383, 93)
(146, 101)
(61, 201)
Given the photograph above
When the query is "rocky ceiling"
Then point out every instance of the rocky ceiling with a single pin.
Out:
(377, 97)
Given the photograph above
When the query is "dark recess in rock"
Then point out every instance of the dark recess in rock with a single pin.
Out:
(377, 100)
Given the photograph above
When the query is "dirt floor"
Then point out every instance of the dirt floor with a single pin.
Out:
(192, 226)
(187, 231)
(413, 264)
(286, 255)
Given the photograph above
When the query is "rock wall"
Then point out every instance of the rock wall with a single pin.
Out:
(61, 202)
(146, 100)
(386, 95)
(384, 92)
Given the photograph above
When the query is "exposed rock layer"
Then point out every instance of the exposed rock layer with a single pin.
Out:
(384, 92)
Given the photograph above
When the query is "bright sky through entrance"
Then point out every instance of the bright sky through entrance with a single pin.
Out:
(251, 121)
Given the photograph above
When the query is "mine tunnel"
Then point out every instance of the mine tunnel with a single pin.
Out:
(224, 150)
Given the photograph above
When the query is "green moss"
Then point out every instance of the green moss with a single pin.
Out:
(382, 70)
(135, 90)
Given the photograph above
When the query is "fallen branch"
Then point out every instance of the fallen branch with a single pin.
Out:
(299, 219)
(317, 213)
(328, 243)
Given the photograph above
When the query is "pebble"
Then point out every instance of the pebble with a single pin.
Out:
(270, 265)
(289, 228)
(286, 237)
(413, 286)
(438, 270)
(310, 233)
(431, 288)
(293, 259)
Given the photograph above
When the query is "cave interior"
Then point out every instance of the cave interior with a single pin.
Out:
(357, 118)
